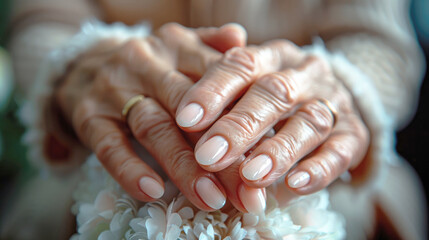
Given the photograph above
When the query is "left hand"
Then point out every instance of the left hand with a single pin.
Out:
(274, 82)
(100, 82)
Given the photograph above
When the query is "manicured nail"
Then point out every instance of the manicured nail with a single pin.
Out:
(190, 115)
(210, 193)
(211, 151)
(299, 179)
(151, 187)
(257, 168)
(252, 198)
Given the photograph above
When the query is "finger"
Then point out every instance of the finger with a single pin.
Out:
(229, 77)
(193, 55)
(302, 133)
(114, 151)
(154, 128)
(264, 104)
(158, 78)
(243, 197)
(346, 147)
(224, 38)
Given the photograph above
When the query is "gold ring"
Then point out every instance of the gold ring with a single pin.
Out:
(129, 104)
(331, 108)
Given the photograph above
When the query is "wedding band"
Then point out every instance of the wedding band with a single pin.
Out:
(331, 108)
(129, 104)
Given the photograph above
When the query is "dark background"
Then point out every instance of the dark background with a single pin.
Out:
(412, 141)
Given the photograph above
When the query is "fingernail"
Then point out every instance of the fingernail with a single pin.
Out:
(151, 187)
(210, 193)
(252, 198)
(211, 151)
(299, 179)
(257, 168)
(190, 115)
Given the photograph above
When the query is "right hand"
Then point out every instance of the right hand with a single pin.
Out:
(100, 82)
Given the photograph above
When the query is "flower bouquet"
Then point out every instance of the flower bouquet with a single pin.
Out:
(105, 211)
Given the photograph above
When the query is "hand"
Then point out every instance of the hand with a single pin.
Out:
(100, 82)
(276, 85)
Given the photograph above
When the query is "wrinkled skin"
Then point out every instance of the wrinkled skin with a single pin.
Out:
(275, 85)
(273, 82)
(104, 78)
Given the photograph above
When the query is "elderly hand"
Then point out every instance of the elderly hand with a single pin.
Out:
(102, 81)
(319, 132)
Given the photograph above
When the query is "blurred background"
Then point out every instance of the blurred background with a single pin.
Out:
(412, 142)
(14, 169)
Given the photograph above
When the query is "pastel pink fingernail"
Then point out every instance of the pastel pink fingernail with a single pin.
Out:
(299, 179)
(211, 151)
(190, 115)
(252, 198)
(151, 187)
(257, 168)
(210, 193)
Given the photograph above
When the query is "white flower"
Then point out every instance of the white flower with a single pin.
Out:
(96, 216)
(110, 214)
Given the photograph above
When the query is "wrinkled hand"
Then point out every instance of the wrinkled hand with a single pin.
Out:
(319, 133)
(102, 80)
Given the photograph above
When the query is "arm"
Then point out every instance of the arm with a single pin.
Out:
(40, 26)
(377, 37)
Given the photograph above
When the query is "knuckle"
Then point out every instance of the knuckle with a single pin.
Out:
(244, 123)
(325, 171)
(317, 117)
(106, 81)
(123, 168)
(283, 46)
(241, 61)
(174, 34)
(82, 114)
(135, 50)
(280, 87)
(173, 92)
(208, 60)
(180, 164)
(285, 146)
(170, 28)
(341, 154)
(109, 146)
(150, 123)
(160, 130)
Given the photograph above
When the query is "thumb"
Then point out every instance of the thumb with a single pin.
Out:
(224, 38)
